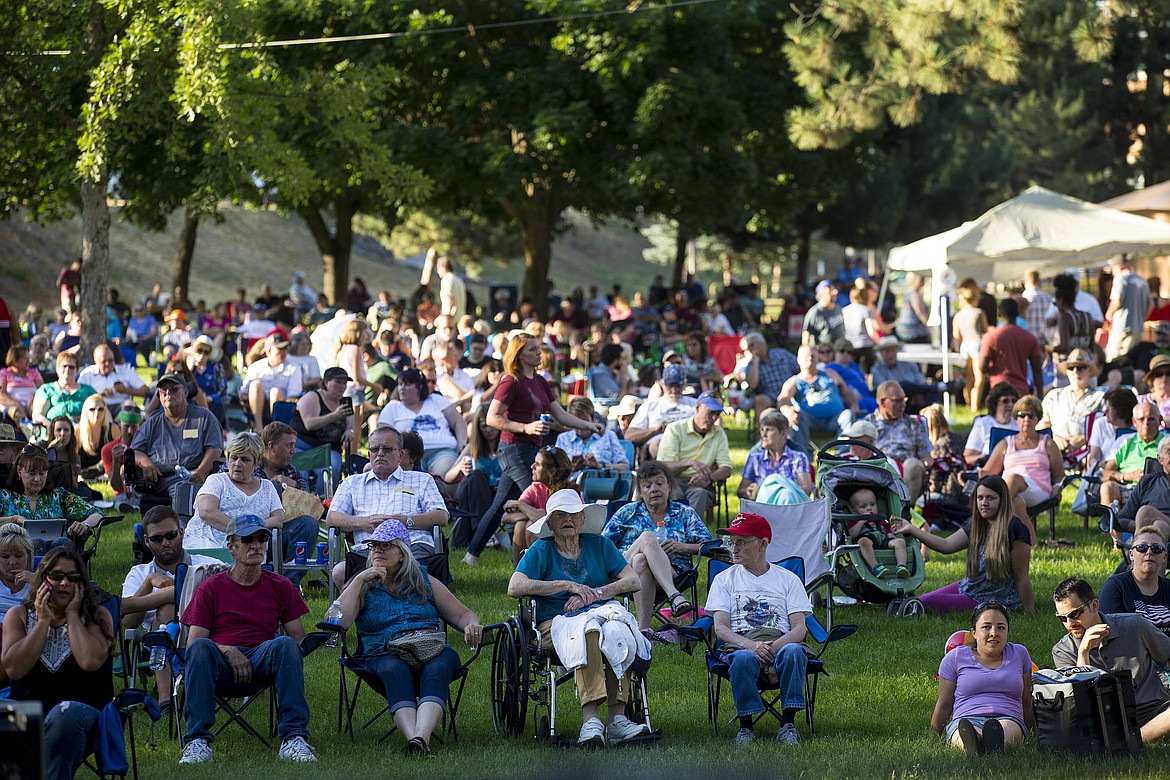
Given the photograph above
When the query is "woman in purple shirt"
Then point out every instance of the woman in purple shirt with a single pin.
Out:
(985, 689)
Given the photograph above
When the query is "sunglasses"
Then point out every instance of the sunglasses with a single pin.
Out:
(1026, 415)
(1078, 369)
(61, 576)
(1073, 614)
(373, 450)
(160, 538)
(259, 536)
(1160, 375)
(1156, 549)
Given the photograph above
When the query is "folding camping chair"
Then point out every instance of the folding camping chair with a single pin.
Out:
(718, 669)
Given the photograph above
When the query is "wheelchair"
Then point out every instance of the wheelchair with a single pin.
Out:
(525, 675)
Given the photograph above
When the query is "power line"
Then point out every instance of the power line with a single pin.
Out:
(634, 8)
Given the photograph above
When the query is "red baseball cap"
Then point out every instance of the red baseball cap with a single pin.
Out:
(747, 524)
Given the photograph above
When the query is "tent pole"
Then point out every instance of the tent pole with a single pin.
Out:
(945, 343)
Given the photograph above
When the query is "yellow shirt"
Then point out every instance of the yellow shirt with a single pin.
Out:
(680, 441)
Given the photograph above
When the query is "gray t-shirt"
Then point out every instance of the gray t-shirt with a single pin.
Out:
(1133, 644)
(1133, 294)
(825, 325)
(170, 445)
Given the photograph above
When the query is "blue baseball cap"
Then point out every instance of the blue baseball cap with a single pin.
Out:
(711, 400)
(824, 286)
(673, 375)
(246, 525)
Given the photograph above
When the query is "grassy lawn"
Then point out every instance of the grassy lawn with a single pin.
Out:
(873, 710)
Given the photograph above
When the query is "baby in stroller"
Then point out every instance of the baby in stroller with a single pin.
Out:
(871, 530)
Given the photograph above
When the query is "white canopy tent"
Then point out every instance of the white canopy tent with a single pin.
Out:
(1037, 229)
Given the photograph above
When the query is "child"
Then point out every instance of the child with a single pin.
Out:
(873, 532)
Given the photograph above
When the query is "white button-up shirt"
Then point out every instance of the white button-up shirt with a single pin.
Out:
(403, 492)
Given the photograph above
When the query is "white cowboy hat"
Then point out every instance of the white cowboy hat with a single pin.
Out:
(628, 405)
(567, 500)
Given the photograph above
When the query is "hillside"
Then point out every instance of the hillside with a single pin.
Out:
(250, 247)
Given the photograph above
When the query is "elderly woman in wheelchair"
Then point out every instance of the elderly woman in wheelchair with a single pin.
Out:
(399, 610)
(658, 537)
(573, 572)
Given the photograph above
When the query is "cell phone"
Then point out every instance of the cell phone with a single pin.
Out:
(346, 403)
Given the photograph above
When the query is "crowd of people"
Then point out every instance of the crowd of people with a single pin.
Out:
(430, 414)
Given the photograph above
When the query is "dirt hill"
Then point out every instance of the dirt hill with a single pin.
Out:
(250, 247)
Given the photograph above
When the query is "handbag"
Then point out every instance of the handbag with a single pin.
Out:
(417, 647)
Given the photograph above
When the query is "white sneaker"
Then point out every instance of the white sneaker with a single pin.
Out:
(297, 749)
(197, 751)
(622, 729)
(592, 733)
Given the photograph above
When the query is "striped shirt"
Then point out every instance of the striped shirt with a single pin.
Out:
(403, 492)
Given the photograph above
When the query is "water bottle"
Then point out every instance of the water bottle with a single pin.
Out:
(158, 658)
(333, 618)
(660, 531)
(182, 472)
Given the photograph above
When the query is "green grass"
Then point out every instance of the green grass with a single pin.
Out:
(872, 716)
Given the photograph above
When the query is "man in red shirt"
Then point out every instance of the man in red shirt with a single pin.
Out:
(1007, 352)
(233, 620)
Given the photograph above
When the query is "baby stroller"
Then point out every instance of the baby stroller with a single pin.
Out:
(838, 476)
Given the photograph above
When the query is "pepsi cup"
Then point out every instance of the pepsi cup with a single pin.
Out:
(300, 555)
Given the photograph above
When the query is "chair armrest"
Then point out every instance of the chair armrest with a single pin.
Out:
(312, 641)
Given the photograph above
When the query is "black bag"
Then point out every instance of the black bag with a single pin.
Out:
(1085, 710)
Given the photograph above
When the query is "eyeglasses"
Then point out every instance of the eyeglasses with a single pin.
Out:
(381, 546)
(160, 538)
(374, 450)
(1026, 415)
(61, 576)
(901, 400)
(742, 542)
(1008, 400)
(1156, 549)
(1072, 614)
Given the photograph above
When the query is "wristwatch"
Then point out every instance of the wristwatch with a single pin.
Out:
(409, 523)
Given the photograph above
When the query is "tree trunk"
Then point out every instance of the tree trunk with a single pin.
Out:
(536, 217)
(95, 260)
(803, 251)
(336, 247)
(185, 251)
(680, 258)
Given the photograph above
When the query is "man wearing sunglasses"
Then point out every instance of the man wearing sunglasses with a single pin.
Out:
(1115, 643)
(233, 621)
(1143, 589)
(1127, 466)
(148, 593)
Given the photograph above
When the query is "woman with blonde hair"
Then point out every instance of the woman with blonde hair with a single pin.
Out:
(521, 399)
(95, 431)
(354, 335)
(1029, 460)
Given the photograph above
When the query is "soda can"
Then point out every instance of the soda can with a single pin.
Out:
(301, 554)
(546, 419)
(322, 553)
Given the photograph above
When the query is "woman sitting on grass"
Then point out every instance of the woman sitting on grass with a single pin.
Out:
(999, 553)
(985, 690)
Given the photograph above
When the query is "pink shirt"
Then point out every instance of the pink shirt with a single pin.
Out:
(21, 388)
(1031, 463)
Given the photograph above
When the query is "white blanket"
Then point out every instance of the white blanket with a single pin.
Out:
(621, 641)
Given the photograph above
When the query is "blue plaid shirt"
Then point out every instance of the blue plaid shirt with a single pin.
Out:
(773, 374)
(607, 449)
(633, 520)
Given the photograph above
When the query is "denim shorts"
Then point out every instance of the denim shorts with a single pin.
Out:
(978, 720)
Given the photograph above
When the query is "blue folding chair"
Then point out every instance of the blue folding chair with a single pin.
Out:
(718, 669)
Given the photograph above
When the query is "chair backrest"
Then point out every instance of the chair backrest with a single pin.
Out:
(612, 507)
(798, 530)
(184, 501)
(282, 411)
(605, 485)
(630, 450)
(996, 435)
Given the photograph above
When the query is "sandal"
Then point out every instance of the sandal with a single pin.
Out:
(679, 606)
(416, 747)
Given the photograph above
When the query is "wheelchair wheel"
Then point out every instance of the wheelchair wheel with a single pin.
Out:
(510, 680)
(912, 607)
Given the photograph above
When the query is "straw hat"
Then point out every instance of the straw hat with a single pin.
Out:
(629, 405)
(1159, 361)
(567, 500)
(1079, 357)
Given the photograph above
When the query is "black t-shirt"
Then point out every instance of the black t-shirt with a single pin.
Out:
(1120, 593)
(467, 362)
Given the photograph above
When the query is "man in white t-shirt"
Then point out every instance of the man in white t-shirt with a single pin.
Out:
(652, 417)
(115, 383)
(148, 593)
(452, 290)
(759, 612)
(270, 380)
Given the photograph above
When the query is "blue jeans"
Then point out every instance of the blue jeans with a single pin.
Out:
(516, 461)
(408, 688)
(299, 529)
(71, 730)
(278, 660)
(833, 425)
(791, 663)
